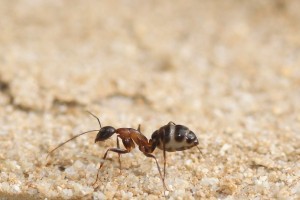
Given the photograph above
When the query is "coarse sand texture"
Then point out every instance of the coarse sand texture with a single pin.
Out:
(228, 70)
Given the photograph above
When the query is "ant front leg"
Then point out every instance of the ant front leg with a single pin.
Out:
(116, 150)
(128, 143)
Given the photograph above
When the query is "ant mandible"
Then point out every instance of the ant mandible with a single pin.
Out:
(129, 136)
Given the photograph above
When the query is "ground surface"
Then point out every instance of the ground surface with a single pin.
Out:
(229, 70)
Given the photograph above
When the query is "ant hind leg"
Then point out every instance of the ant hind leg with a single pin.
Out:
(165, 158)
(164, 153)
(162, 178)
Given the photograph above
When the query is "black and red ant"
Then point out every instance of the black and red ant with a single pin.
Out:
(129, 137)
(170, 137)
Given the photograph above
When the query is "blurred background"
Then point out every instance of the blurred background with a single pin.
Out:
(196, 58)
(217, 66)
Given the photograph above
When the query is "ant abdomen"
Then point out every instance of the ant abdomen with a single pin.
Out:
(172, 137)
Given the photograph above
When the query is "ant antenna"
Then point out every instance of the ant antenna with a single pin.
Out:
(95, 117)
(72, 138)
(75, 136)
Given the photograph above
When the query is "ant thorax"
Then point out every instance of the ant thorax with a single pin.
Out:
(172, 137)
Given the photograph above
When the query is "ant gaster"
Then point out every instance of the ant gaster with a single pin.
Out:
(173, 137)
(129, 137)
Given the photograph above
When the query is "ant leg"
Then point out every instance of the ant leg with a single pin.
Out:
(165, 158)
(139, 128)
(118, 146)
(116, 150)
(164, 153)
(161, 177)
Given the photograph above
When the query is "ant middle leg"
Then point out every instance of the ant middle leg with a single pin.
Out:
(139, 128)
(128, 143)
(118, 146)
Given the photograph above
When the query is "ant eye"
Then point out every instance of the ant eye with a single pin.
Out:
(105, 133)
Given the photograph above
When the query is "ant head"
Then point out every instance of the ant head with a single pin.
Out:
(104, 132)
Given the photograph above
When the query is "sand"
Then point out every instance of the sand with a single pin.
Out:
(229, 70)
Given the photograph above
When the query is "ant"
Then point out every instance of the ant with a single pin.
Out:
(170, 137)
(129, 137)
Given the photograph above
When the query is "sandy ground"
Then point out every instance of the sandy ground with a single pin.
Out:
(229, 70)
